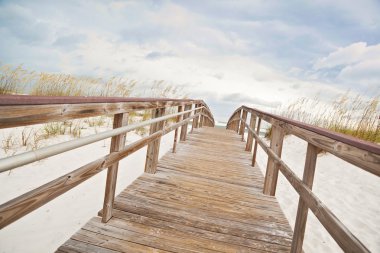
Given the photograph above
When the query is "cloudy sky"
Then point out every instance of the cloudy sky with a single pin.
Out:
(258, 52)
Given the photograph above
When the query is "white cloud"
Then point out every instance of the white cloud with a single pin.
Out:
(357, 64)
(365, 73)
(343, 56)
(352, 54)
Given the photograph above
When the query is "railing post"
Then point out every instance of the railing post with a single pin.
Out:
(184, 127)
(271, 174)
(154, 147)
(242, 124)
(117, 143)
(252, 124)
(255, 147)
(195, 123)
(202, 118)
(308, 178)
(179, 118)
(238, 114)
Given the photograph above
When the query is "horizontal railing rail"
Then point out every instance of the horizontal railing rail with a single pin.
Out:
(23, 110)
(36, 155)
(360, 153)
(12, 107)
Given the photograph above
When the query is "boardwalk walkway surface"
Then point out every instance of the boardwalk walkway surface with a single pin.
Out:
(204, 198)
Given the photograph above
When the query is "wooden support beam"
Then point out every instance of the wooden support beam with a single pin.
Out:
(237, 123)
(242, 122)
(154, 147)
(184, 127)
(23, 115)
(202, 119)
(117, 143)
(308, 179)
(179, 118)
(255, 147)
(271, 174)
(252, 124)
(26, 203)
(195, 120)
(363, 154)
(345, 239)
(199, 118)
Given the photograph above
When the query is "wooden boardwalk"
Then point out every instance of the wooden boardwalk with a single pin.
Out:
(204, 198)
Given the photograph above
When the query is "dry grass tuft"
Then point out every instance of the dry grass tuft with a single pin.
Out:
(353, 115)
(17, 80)
(13, 80)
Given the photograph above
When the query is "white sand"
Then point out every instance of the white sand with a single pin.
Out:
(352, 194)
(45, 229)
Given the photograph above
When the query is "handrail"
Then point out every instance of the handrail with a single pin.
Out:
(49, 100)
(13, 107)
(18, 160)
(363, 154)
(360, 153)
(23, 110)
(347, 139)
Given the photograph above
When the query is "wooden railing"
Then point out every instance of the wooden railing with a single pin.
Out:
(27, 110)
(363, 154)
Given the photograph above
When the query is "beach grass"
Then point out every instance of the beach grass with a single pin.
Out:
(349, 114)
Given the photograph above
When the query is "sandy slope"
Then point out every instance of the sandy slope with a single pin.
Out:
(351, 193)
(51, 225)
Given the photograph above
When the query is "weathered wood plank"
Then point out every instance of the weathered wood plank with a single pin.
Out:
(252, 124)
(363, 154)
(219, 237)
(271, 174)
(117, 143)
(255, 147)
(345, 239)
(184, 127)
(22, 115)
(179, 118)
(242, 123)
(308, 179)
(206, 197)
(154, 147)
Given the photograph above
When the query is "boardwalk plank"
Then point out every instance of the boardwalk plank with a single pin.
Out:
(206, 197)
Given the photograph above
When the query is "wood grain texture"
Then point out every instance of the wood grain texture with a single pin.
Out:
(341, 234)
(363, 154)
(195, 120)
(271, 174)
(347, 139)
(117, 143)
(154, 147)
(254, 154)
(184, 127)
(242, 123)
(26, 203)
(179, 118)
(308, 179)
(206, 197)
(252, 124)
(12, 116)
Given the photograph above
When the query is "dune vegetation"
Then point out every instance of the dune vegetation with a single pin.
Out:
(349, 114)
(19, 80)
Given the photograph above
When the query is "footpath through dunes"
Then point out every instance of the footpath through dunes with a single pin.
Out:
(206, 197)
